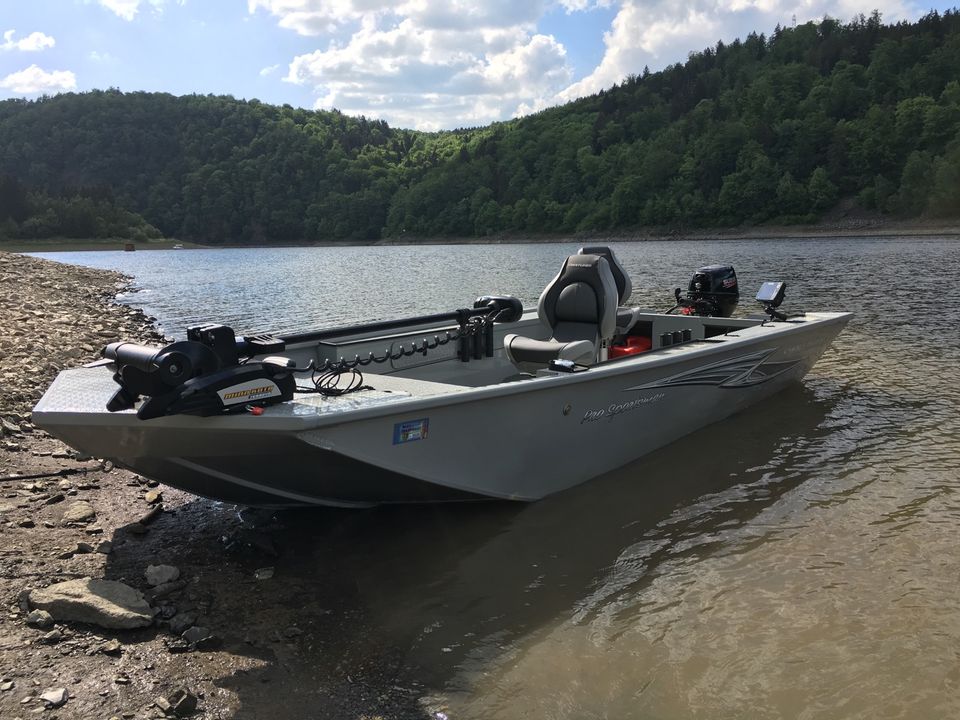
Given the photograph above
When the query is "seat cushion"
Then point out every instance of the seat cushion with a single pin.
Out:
(530, 355)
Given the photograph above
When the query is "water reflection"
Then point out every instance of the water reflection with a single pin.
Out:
(467, 591)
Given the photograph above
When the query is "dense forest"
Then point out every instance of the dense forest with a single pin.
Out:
(764, 129)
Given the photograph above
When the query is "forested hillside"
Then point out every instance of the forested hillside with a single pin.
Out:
(775, 129)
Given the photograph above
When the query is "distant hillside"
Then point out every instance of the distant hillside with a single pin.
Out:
(774, 129)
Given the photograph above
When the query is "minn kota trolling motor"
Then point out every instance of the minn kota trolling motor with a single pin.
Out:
(201, 375)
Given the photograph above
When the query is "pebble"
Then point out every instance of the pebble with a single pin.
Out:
(263, 573)
(53, 637)
(111, 647)
(196, 634)
(7, 686)
(183, 701)
(55, 697)
(161, 574)
(78, 512)
(40, 619)
(153, 497)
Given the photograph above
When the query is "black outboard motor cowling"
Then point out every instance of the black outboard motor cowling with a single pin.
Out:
(713, 290)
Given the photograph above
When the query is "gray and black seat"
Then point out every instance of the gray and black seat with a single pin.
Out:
(626, 316)
(579, 306)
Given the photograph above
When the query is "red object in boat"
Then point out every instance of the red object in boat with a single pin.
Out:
(636, 344)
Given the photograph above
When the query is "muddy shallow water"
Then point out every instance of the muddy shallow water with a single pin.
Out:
(799, 560)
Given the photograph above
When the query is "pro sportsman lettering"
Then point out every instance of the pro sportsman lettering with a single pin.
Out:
(615, 409)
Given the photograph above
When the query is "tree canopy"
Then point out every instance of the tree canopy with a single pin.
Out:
(763, 129)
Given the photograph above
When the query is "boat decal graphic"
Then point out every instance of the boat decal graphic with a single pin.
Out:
(738, 372)
(410, 430)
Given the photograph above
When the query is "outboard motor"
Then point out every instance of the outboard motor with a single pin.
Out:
(712, 292)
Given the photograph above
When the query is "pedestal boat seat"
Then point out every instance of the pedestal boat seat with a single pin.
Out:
(626, 316)
(579, 306)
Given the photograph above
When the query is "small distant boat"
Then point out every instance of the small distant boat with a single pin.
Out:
(129, 247)
(481, 402)
(178, 246)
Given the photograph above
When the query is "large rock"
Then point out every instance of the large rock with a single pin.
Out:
(106, 603)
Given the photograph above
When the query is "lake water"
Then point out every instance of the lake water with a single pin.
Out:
(800, 560)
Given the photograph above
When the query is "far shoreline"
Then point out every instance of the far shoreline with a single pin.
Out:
(887, 229)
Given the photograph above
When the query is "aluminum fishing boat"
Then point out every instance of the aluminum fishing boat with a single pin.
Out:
(483, 402)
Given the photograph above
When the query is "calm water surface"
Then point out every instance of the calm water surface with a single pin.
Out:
(797, 561)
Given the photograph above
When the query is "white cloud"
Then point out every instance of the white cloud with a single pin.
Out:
(33, 42)
(34, 80)
(315, 17)
(269, 70)
(660, 32)
(426, 63)
(100, 57)
(128, 9)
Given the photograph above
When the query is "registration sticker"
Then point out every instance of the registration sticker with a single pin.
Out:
(410, 430)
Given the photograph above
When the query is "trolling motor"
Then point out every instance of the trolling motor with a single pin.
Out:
(712, 292)
(199, 376)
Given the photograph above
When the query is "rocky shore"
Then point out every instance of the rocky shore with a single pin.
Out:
(126, 600)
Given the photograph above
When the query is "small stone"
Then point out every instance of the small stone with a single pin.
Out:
(163, 704)
(165, 589)
(26, 523)
(183, 701)
(263, 573)
(292, 632)
(105, 547)
(161, 574)
(55, 697)
(8, 427)
(53, 637)
(6, 686)
(84, 548)
(121, 680)
(111, 647)
(78, 512)
(195, 634)
(54, 499)
(153, 496)
(39, 619)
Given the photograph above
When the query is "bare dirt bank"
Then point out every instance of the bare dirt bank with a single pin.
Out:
(273, 637)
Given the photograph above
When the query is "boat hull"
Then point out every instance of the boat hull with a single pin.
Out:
(514, 440)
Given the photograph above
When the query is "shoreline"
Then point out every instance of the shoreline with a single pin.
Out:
(315, 651)
(826, 231)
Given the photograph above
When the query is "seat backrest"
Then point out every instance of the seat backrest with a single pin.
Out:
(581, 301)
(620, 276)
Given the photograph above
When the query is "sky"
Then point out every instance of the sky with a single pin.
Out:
(424, 64)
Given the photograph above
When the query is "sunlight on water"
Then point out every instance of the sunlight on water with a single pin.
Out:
(798, 560)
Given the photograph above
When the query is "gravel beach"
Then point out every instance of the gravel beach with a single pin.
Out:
(212, 615)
